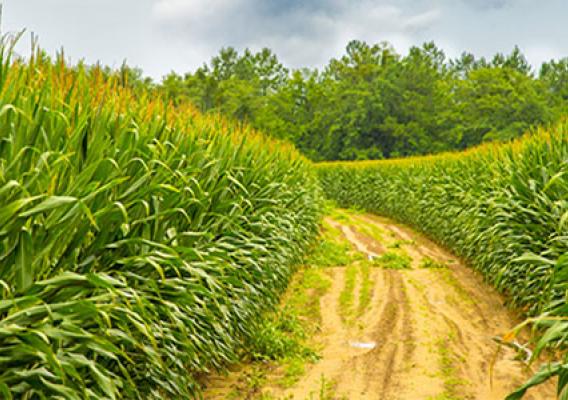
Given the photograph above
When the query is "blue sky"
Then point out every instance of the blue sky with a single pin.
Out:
(164, 35)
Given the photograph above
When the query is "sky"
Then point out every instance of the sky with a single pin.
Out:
(160, 36)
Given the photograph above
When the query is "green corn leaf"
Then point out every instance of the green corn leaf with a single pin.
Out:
(49, 204)
(24, 262)
(5, 391)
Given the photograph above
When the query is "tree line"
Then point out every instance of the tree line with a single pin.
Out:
(373, 103)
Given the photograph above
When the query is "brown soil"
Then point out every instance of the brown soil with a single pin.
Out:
(433, 331)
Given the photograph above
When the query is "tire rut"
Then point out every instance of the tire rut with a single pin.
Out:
(431, 329)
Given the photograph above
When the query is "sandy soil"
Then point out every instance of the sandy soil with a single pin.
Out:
(432, 330)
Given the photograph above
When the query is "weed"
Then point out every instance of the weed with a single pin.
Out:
(304, 296)
(330, 254)
(331, 250)
(428, 262)
(281, 342)
(347, 295)
(278, 337)
(365, 289)
(293, 369)
(326, 391)
(392, 260)
(454, 386)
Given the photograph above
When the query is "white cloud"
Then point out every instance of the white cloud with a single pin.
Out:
(176, 10)
(422, 21)
(165, 35)
(308, 33)
(537, 54)
(488, 4)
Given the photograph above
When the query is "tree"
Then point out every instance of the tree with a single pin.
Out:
(554, 75)
(501, 103)
(235, 85)
(419, 103)
(372, 103)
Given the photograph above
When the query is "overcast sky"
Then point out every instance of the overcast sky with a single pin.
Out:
(164, 35)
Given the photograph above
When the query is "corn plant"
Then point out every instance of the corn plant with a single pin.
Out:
(139, 242)
(504, 208)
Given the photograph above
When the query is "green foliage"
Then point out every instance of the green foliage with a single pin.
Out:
(502, 208)
(347, 295)
(554, 325)
(392, 260)
(501, 104)
(332, 249)
(365, 289)
(235, 85)
(330, 253)
(283, 338)
(554, 74)
(139, 242)
(428, 262)
(279, 337)
(372, 103)
(454, 386)
(304, 296)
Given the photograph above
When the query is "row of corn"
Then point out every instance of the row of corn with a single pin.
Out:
(504, 208)
(139, 242)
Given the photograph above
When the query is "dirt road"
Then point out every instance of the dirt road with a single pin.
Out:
(405, 320)
(427, 332)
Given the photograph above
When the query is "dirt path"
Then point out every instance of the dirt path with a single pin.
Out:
(427, 332)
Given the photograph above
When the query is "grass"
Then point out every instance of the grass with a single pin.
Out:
(369, 230)
(347, 295)
(326, 391)
(251, 383)
(452, 281)
(430, 263)
(282, 344)
(365, 288)
(341, 216)
(358, 272)
(279, 336)
(393, 260)
(294, 369)
(304, 295)
(331, 250)
(454, 386)
(353, 217)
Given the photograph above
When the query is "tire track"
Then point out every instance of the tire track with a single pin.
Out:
(431, 329)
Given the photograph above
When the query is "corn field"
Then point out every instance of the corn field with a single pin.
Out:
(138, 241)
(503, 208)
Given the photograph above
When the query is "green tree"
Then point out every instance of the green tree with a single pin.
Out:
(419, 104)
(554, 75)
(372, 103)
(501, 103)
